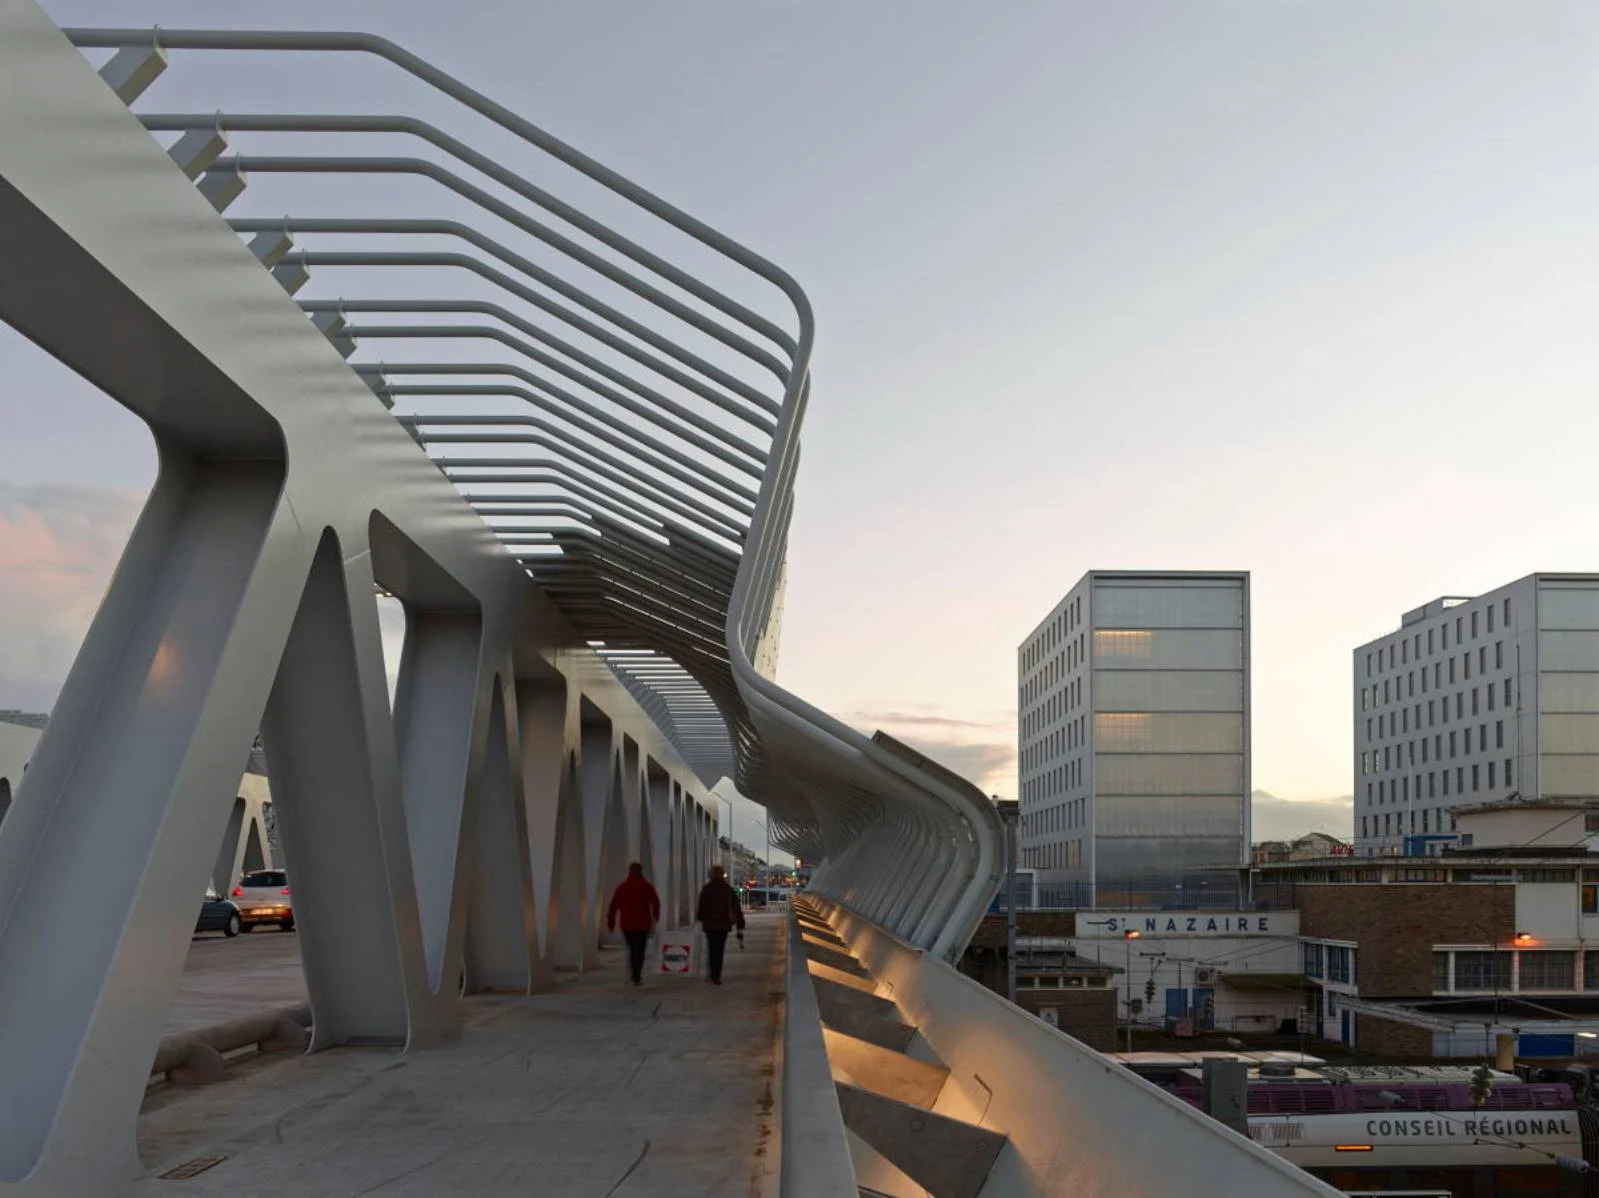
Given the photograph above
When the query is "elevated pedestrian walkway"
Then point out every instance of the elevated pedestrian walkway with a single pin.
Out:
(597, 1088)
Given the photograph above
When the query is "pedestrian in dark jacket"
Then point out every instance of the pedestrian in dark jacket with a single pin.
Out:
(718, 913)
(636, 906)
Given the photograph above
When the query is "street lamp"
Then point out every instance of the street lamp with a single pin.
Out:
(766, 881)
(728, 858)
(1128, 937)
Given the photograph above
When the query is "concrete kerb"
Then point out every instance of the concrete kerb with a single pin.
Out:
(197, 1057)
(815, 1153)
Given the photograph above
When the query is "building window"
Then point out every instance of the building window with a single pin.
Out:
(1499, 655)
(1313, 960)
(1482, 971)
(1476, 777)
(1590, 971)
(1490, 617)
(1590, 902)
(1507, 692)
(1340, 964)
(1440, 972)
(1490, 696)
(1473, 625)
(1507, 612)
(1509, 781)
(1491, 783)
(1548, 970)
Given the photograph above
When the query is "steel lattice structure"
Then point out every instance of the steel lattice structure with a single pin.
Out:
(586, 524)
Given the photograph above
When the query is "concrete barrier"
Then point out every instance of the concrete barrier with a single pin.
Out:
(1077, 1123)
(815, 1149)
(192, 1058)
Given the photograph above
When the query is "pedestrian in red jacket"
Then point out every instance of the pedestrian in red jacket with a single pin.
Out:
(636, 906)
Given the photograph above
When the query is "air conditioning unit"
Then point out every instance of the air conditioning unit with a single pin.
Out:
(1205, 975)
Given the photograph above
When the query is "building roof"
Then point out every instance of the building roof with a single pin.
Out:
(1518, 802)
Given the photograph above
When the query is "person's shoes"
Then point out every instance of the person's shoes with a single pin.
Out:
(716, 981)
(636, 981)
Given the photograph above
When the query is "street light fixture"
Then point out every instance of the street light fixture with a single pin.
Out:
(1128, 937)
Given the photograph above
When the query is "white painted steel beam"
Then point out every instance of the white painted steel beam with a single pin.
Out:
(571, 680)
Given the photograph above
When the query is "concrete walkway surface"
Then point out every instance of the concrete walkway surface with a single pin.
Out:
(225, 979)
(596, 1090)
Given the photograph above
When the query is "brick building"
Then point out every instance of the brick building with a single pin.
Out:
(1052, 982)
(1488, 948)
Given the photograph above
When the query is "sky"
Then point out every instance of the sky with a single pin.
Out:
(1300, 288)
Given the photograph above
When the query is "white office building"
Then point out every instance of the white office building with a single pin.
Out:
(1474, 700)
(1133, 733)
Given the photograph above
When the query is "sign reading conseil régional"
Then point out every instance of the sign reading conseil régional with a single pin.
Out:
(1187, 923)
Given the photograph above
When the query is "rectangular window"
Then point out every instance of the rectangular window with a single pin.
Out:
(1482, 660)
(1507, 611)
(1312, 960)
(1465, 666)
(1368, 665)
(1499, 655)
(1499, 734)
(1340, 964)
(1476, 775)
(1590, 906)
(1404, 653)
(1446, 783)
(1490, 690)
(1509, 781)
(1460, 705)
(1460, 629)
(1548, 970)
(1491, 782)
(1507, 692)
(1451, 670)
(1490, 617)
(1474, 701)
(1440, 972)
(1482, 971)
(1452, 744)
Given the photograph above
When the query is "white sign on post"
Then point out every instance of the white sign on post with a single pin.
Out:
(679, 953)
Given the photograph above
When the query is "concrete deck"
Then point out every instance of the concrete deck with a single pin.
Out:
(224, 979)
(597, 1090)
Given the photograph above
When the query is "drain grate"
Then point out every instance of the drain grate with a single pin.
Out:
(192, 1168)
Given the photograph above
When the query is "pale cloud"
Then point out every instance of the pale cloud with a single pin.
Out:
(981, 749)
(911, 719)
(58, 546)
(1285, 819)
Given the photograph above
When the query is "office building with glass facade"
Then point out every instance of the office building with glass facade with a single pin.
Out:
(1474, 700)
(1133, 738)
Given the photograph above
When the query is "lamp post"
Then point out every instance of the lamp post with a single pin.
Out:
(727, 858)
(766, 881)
(1128, 937)
(1010, 813)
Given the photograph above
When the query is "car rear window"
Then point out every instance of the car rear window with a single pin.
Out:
(265, 877)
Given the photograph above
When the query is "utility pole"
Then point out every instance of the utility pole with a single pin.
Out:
(1009, 811)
